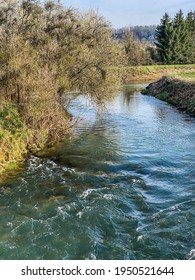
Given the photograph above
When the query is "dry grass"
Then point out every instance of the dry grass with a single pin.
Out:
(154, 72)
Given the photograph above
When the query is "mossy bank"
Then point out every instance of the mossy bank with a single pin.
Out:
(18, 140)
(179, 93)
(13, 137)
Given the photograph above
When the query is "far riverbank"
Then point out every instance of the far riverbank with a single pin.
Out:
(154, 72)
(179, 93)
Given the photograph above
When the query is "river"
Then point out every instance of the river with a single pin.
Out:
(123, 187)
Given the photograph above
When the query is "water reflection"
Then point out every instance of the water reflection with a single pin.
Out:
(129, 98)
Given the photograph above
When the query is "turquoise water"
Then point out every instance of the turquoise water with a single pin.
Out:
(123, 187)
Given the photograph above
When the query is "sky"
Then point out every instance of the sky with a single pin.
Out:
(133, 12)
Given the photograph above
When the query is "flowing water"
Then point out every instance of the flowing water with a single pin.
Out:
(122, 188)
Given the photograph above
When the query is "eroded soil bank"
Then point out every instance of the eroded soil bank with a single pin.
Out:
(177, 92)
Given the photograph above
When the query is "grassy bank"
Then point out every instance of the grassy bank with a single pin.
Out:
(188, 76)
(180, 93)
(13, 137)
(17, 139)
(154, 72)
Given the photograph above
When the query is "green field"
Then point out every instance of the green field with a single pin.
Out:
(155, 72)
(186, 76)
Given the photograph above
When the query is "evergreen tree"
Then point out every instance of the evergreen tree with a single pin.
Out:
(175, 39)
(164, 37)
(180, 42)
(190, 22)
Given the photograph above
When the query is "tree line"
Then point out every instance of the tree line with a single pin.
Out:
(144, 33)
(175, 38)
(136, 45)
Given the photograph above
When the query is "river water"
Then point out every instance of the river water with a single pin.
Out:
(123, 187)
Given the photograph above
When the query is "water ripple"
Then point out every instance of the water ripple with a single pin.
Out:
(121, 188)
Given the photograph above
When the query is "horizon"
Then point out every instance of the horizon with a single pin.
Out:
(126, 13)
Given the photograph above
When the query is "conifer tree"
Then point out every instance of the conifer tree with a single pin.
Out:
(164, 38)
(190, 22)
(180, 42)
(175, 39)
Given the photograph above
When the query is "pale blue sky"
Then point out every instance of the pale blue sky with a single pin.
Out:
(133, 12)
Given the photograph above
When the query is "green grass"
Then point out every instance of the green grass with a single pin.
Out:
(13, 137)
(190, 75)
(156, 67)
(154, 72)
(9, 118)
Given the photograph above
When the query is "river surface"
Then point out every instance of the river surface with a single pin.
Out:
(123, 187)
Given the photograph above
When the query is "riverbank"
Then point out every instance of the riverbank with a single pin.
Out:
(179, 93)
(153, 72)
(18, 139)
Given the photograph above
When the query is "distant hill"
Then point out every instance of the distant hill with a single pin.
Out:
(142, 33)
